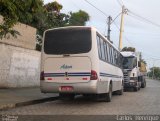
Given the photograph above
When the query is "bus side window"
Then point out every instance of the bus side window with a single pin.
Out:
(102, 49)
(99, 47)
(113, 51)
(105, 51)
(116, 57)
(111, 56)
(108, 51)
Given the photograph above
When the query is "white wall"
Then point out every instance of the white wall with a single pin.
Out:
(19, 67)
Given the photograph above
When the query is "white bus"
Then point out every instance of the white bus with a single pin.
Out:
(79, 60)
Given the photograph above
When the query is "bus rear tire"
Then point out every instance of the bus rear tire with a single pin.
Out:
(120, 92)
(108, 96)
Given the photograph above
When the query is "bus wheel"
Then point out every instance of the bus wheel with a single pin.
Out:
(120, 92)
(108, 96)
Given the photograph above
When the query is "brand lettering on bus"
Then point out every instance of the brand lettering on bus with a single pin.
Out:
(64, 66)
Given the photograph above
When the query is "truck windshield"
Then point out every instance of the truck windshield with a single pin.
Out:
(67, 41)
(129, 62)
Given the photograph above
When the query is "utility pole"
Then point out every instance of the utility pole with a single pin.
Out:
(124, 11)
(109, 27)
(153, 73)
(153, 69)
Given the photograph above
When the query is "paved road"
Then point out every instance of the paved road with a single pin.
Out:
(146, 101)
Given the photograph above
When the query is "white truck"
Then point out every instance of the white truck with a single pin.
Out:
(134, 70)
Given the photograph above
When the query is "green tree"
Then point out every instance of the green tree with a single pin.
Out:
(8, 11)
(14, 11)
(78, 18)
(53, 7)
(132, 49)
(52, 18)
(57, 19)
(154, 72)
(38, 15)
(142, 60)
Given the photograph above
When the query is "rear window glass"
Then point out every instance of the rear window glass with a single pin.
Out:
(67, 41)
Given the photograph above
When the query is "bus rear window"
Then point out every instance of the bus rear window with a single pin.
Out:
(67, 41)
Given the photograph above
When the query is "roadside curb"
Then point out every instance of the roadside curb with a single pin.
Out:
(6, 106)
(31, 102)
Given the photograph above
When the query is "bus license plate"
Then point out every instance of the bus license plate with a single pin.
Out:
(66, 88)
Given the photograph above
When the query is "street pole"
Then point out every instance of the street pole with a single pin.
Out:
(153, 69)
(109, 27)
(153, 73)
(124, 11)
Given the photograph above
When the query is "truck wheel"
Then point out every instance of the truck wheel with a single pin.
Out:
(139, 86)
(108, 96)
(143, 84)
(135, 89)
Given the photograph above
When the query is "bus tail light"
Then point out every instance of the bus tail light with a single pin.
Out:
(42, 75)
(93, 75)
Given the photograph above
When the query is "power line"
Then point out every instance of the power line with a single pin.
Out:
(75, 5)
(139, 19)
(105, 14)
(126, 38)
(96, 8)
(146, 34)
(134, 15)
(144, 19)
(99, 11)
(152, 56)
(116, 17)
(113, 21)
(116, 26)
(120, 4)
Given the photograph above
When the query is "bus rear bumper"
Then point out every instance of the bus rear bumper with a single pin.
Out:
(78, 88)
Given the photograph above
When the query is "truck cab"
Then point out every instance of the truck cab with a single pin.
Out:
(133, 77)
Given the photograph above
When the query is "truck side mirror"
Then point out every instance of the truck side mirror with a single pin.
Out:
(139, 64)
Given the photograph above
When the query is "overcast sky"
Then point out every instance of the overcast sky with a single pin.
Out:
(144, 36)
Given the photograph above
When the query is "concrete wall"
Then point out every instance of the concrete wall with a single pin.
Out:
(19, 67)
(19, 62)
(27, 39)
